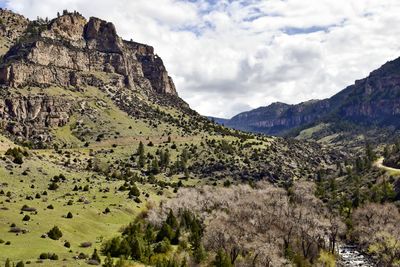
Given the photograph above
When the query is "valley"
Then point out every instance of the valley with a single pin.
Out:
(102, 163)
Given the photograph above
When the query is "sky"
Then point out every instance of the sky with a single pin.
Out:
(229, 56)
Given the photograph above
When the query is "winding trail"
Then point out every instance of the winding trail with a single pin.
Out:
(379, 164)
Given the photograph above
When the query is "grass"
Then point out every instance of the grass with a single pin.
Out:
(308, 133)
(88, 224)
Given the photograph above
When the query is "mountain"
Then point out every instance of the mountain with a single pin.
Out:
(93, 133)
(371, 102)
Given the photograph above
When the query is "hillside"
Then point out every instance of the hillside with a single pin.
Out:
(92, 125)
(367, 105)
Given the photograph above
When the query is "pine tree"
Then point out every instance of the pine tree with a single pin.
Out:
(136, 249)
(155, 168)
(134, 191)
(8, 263)
(165, 232)
(171, 220)
(140, 153)
(149, 234)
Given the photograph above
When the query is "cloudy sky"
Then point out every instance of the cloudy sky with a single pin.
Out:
(229, 56)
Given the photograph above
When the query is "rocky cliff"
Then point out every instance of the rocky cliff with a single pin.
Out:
(374, 100)
(73, 53)
(64, 50)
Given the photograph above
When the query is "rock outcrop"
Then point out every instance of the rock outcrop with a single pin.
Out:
(68, 47)
(12, 25)
(72, 52)
(32, 116)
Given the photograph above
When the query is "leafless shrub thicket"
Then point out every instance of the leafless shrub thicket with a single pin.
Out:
(261, 226)
(377, 228)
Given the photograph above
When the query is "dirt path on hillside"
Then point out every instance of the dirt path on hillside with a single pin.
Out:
(379, 164)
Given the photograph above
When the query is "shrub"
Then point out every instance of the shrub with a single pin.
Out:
(50, 256)
(69, 215)
(50, 207)
(67, 244)
(44, 256)
(26, 218)
(54, 233)
(53, 186)
(20, 264)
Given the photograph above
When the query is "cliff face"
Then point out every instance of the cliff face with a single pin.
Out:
(68, 47)
(72, 53)
(373, 100)
(31, 117)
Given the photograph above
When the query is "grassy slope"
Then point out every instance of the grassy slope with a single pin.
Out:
(89, 223)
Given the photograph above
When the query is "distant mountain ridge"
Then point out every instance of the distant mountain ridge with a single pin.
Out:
(374, 100)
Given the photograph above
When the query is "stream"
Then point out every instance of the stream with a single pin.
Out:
(350, 256)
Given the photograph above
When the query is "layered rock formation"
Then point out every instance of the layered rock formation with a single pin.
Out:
(63, 51)
(72, 53)
(374, 100)
(32, 116)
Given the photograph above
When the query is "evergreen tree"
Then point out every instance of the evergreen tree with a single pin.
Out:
(155, 168)
(140, 153)
(134, 191)
(8, 263)
(165, 232)
(171, 220)
(175, 240)
(55, 233)
(136, 249)
(149, 234)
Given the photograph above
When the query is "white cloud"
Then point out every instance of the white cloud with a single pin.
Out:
(230, 56)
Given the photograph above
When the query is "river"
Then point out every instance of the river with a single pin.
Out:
(350, 256)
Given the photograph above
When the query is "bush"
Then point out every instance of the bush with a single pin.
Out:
(67, 244)
(17, 153)
(55, 233)
(53, 186)
(69, 215)
(50, 207)
(26, 218)
(20, 264)
(44, 256)
(50, 256)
